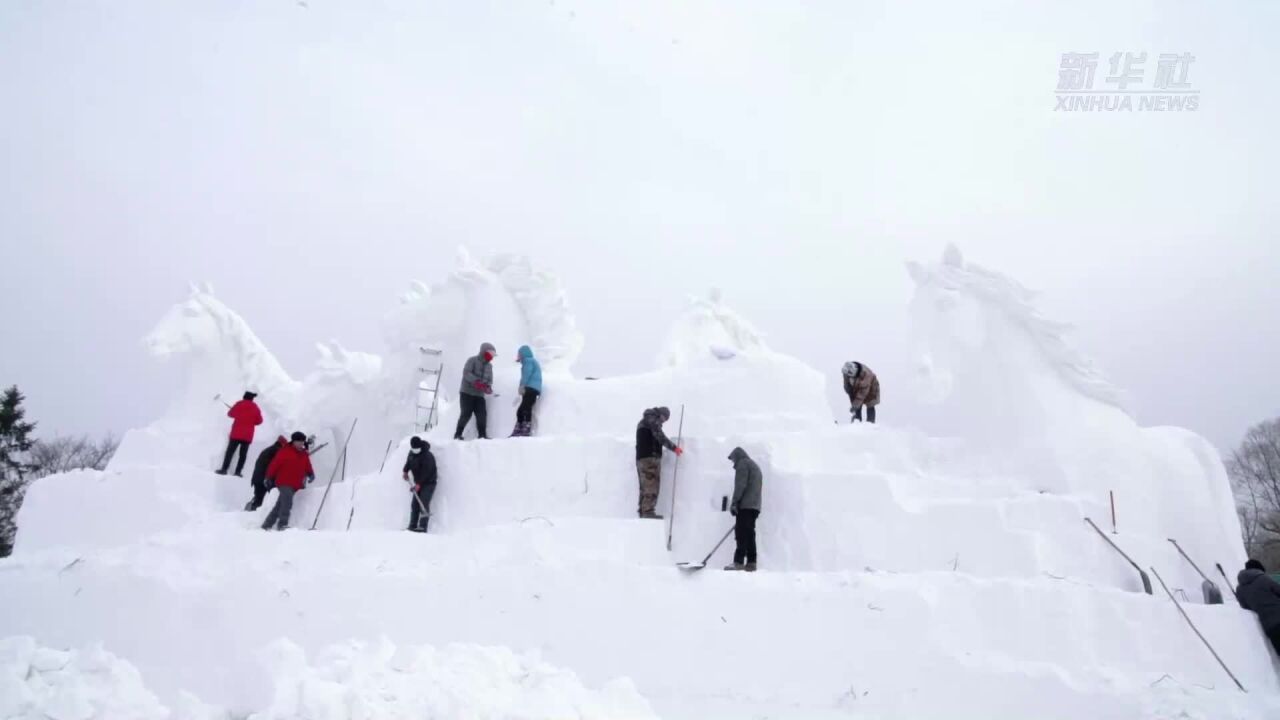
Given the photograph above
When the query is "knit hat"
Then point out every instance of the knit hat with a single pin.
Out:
(298, 437)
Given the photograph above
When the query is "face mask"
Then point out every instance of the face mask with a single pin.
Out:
(415, 451)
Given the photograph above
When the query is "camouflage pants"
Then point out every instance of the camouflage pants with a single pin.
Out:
(650, 472)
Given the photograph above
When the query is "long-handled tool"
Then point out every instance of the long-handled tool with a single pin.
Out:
(333, 474)
(424, 519)
(707, 559)
(675, 475)
(1223, 573)
(1197, 631)
(1146, 580)
(1212, 595)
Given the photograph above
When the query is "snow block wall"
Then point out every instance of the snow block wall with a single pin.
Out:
(903, 573)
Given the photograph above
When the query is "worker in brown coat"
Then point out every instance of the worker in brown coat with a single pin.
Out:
(863, 388)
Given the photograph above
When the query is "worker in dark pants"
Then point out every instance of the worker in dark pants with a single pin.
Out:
(477, 382)
(863, 388)
(259, 479)
(245, 416)
(748, 486)
(421, 465)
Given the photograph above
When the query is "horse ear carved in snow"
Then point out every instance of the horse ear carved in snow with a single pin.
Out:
(951, 256)
(917, 272)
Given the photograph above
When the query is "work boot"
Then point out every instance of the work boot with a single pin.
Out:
(734, 567)
(249, 506)
(749, 567)
(219, 472)
(651, 515)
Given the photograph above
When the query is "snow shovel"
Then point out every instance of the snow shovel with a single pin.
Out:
(426, 514)
(1212, 595)
(705, 560)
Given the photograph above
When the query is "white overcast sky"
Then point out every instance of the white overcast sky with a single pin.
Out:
(310, 159)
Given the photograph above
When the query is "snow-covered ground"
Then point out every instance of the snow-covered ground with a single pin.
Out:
(902, 574)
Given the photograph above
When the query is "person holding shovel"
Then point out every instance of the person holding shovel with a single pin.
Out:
(422, 465)
(748, 484)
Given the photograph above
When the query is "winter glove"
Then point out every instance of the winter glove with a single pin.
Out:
(417, 488)
(678, 451)
(734, 511)
(269, 483)
(404, 475)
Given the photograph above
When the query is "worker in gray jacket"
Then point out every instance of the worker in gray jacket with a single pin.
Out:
(748, 486)
(477, 381)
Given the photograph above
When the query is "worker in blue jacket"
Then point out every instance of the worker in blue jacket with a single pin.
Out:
(530, 389)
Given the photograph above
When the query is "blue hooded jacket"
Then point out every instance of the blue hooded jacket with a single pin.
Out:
(530, 370)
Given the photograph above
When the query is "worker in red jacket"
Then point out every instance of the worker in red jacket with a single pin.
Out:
(245, 416)
(289, 472)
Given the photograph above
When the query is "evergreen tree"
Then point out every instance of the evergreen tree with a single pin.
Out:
(15, 443)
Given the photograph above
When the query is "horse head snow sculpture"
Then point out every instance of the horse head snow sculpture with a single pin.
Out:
(709, 330)
(222, 355)
(992, 361)
(1005, 377)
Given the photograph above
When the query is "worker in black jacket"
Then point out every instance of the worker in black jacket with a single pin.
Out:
(422, 465)
(259, 479)
(1259, 593)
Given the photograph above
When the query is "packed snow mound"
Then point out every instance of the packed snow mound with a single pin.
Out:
(708, 330)
(355, 681)
(349, 681)
(709, 644)
(40, 683)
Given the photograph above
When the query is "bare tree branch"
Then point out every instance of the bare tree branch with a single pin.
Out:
(1254, 468)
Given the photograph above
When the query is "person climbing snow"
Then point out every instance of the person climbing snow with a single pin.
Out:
(477, 381)
(650, 439)
(422, 465)
(863, 388)
(259, 478)
(748, 486)
(245, 416)
(1259, 593)
(530, 389)
(289, 471)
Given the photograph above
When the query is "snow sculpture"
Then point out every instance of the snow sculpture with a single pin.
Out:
(708, 329)
(221, 353)
(221, 358)
(506, 301)
(1004, 377)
